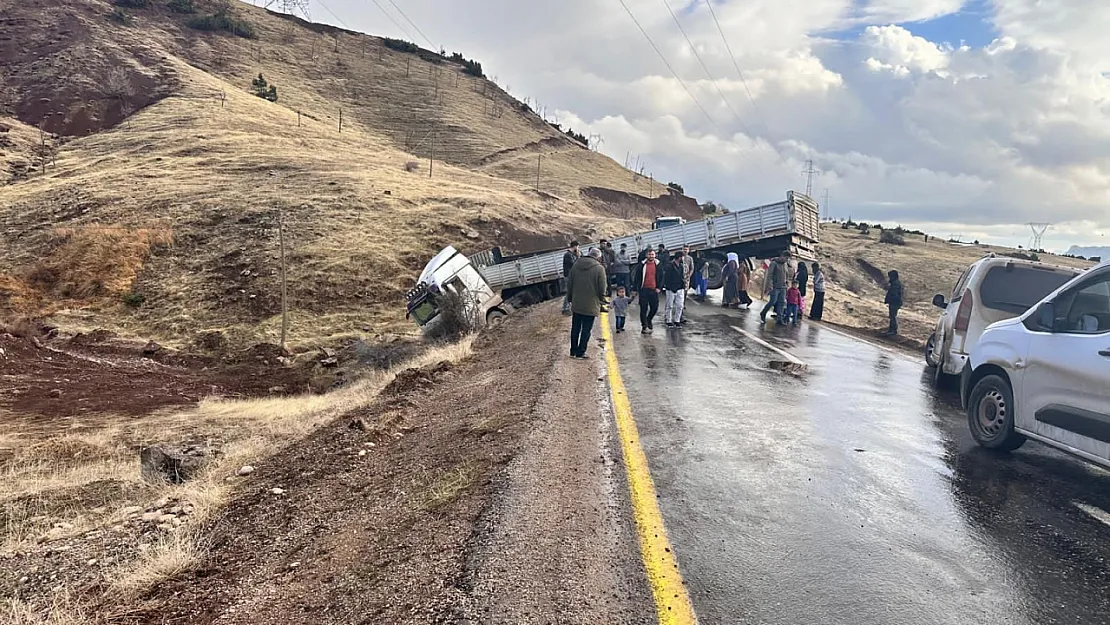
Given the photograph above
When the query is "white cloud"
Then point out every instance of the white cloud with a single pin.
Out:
(905, 128)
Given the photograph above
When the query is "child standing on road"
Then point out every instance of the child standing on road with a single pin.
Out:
(793, 304)
(620, 307)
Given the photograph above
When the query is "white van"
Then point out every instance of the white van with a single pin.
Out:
(991, 289)
(1046, 374)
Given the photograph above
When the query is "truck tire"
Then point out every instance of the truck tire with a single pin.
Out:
(495, 317)
(990, 415)
(716, 274)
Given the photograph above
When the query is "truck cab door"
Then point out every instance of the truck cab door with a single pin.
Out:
(1066, 394)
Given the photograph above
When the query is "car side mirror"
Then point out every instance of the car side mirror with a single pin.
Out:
(1046, 317)
(938, 301)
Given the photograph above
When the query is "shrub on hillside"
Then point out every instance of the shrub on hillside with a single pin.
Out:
(264, 90)
(864, 228)
(400, 45)
(474, 68)
(854, 284)
(893, 237)
(183, 6)
(579, 137)
(121, 17)
(132, 4)
(134, 300)
(223, 20)
(412, 166)
(674, 186)
(459, 315)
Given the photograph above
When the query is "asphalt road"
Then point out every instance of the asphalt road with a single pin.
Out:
(852, 493)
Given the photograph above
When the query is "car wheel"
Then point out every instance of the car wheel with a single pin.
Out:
(930, 345)
(990, 414)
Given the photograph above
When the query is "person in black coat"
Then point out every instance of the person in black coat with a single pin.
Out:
(568, 261)
(894, 297)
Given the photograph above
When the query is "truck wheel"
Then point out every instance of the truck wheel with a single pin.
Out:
(990, 415)
(716, 278)
(930, 345)
(494, 318)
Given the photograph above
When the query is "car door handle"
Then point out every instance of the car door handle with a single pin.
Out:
(1105, 352)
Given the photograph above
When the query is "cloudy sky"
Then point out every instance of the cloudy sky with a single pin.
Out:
(968, 117)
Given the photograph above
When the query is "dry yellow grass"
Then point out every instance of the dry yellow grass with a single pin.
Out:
(171, 555)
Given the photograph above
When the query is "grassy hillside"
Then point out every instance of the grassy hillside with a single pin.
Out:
(158, 212)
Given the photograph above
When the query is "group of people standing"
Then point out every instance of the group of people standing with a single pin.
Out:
(657, 274)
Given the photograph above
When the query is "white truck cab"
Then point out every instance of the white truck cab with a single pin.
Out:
(448, 271)
(1046, 374)
(992, 289)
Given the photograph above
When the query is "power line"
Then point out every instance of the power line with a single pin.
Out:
(395, 23)
(434, 48)
(743, 81)
(332, 13)
(703, 66)
(665, 62)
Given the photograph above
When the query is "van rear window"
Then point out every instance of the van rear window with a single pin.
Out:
(1017, 288)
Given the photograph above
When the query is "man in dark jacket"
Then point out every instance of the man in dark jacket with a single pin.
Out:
(893, 301)
(777, 277)
(674, 282)
(568, 261)
(586, 290)
(647, 279)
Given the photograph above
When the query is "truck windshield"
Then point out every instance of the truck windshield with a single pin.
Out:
(667, 222)
(1016, 289)
(425, 311)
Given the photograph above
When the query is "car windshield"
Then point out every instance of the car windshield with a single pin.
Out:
(1017, 288)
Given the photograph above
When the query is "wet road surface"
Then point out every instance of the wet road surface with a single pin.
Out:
(852, 493)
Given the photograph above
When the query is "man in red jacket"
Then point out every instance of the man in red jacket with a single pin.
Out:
(647, 278)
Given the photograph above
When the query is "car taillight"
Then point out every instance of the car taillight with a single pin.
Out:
(963, 315)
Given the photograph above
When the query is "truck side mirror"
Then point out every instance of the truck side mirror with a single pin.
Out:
(938, 301)
(1046, 317)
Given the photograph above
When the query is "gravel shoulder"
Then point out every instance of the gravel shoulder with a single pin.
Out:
(484, 492)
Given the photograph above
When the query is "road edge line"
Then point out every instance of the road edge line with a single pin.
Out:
(792, 358)
(672, 603)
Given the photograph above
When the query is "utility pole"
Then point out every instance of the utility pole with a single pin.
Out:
(826, 206)
(539, 161)
(340, 120)
(809, 171)
(432, 156)
(284, 290)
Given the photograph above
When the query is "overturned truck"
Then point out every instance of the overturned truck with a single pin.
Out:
(496, 284)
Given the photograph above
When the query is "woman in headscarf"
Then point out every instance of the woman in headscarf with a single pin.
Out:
(731, 273)
(745, 278)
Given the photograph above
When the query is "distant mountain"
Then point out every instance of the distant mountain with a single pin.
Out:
(1087, 252)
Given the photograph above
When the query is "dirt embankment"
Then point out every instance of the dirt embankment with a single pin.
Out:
(624, 205)
(405, 512)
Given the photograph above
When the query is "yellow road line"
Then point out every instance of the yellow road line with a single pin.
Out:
(671, 601)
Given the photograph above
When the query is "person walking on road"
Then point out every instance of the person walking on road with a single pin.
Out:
(793, 304)
(586, 290)
(818, 309)
(701, 277)
(802, 277)
(776, 277)
(620, 308)
(609, 259)
(568, 261)
(647, 279)
(675, 284)
(744, 280)
(731, 274)
(893, 301)
(687, 278)
(622, 264)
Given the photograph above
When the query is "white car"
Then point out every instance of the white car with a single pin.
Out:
(991, 289)
(1046, 375)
